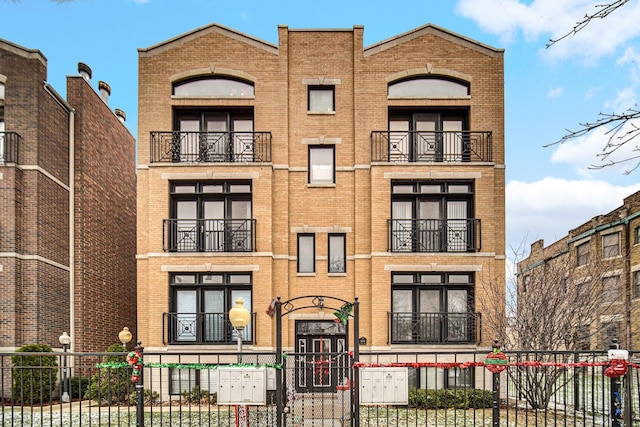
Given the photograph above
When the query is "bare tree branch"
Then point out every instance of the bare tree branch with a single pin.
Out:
(603, 10)
(623, 131)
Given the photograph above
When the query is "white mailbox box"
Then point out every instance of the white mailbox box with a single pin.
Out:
(384, 386)
(242, 386)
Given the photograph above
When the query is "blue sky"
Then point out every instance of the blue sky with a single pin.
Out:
(549, 190)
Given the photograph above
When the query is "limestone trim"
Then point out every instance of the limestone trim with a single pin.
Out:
(208, 267)
(434, 266)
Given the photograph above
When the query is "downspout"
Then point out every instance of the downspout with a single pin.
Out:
(627, 284)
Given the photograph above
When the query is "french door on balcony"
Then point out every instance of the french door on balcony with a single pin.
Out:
(430, 225)
(426, 137)
(216, 137)
(430, 315)
(201, 315)
(212, 217)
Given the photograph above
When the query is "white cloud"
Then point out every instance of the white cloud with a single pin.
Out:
(591, 93)
(549, 208)
(554, 92)
(141, 1)
(552, 19)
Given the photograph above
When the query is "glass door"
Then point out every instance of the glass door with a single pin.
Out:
(457, 236)
(214, 232)
(430, 315)
(215, 325)
(186, 322)
(425, 140)
(217, 147)
(430, 230)
(186, 226)
(457, 314)
(402, 226)
(240, 227)
(242, 140)
(189, 138)
(399, 140)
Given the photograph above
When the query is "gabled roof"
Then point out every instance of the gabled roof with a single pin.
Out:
(430, 29)
(23, 51)
(202, 31)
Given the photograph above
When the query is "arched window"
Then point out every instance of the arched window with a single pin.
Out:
(214, 86)
(428, 87)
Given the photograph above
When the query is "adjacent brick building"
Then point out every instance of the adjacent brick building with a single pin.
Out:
(67, 209)
(320, 168)
(600, 260)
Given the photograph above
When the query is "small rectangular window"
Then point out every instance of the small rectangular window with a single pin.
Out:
(306, 253)
(636, 284)
(637, 235)
(321, 99)
(321, 165)
(611, 245)
(337, 257)
(182, 380)
(582, 254)
(611, 290)
(460, 378)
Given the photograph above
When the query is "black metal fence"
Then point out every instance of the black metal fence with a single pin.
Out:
(442, 389)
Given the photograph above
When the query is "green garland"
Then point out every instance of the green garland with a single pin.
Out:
(197, 366)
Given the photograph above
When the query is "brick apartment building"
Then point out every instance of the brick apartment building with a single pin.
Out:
(319, 167)
(601, 263)
(67, 209)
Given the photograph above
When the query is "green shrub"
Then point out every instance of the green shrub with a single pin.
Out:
(34, 377)
(78, 386)
(150, 397)
(198, 395)
(450, 398)
(111, 385)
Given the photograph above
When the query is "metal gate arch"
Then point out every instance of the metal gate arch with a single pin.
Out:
(284, 308)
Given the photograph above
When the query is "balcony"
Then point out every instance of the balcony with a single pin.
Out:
(203, 328)
(430, 147)
(210, 147)
(209, 235)
(9, 147)
(433, 328)
(434, 235)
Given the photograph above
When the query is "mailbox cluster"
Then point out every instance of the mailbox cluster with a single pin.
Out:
(384, 386)
(242, 386)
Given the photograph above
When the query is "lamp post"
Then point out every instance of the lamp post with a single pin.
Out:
(239, 317)
(65, 340)
(124, 336)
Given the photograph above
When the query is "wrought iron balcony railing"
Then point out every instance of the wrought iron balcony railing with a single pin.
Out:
(433, 328)
(432, 146)
(209, 235)
(434, 235)
(204, 328)
(210, 147)
(9, 142)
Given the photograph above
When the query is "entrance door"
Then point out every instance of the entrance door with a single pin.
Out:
(322, 356)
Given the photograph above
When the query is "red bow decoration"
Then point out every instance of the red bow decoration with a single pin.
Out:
(322, 367)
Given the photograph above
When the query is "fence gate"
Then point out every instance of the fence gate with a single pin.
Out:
(317, 384)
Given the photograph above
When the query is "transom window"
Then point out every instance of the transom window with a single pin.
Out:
(214, 86)
(582, 253)
(611, 245)
(200, 305)
(322, 164)
(211, 216)
(321, 99)
(432, 308)
(429, 87)
(432, 216)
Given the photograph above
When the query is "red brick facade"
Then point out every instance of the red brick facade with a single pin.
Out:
(35, 192)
